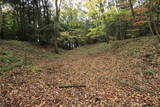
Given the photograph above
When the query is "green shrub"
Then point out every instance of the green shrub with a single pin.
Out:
(8, 61)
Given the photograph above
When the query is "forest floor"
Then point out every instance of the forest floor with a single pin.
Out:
(120, 74)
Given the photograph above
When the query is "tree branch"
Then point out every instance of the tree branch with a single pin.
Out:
(72, 86)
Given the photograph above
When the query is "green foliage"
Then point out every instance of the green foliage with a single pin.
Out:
(8, 61)
(45, 34)
(79, 24)
(9, 26)
(71, 40)
(70, 17)
(96, 34)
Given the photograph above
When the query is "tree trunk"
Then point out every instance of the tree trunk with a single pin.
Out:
(152, 18)
(150, 25)
(1, 20)
(56, 25)
(38, 12)
(156, 30)
(22, 21)
(56, 46)
(132, 10)
(115, 4)
(56, 34)
(28, 13)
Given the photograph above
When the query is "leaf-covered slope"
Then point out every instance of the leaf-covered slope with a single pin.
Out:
(16, 54)
(124, 73)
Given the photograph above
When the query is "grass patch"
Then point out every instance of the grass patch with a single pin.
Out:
(35, 68)
(134, 86)
(15, 53)
(8, 61)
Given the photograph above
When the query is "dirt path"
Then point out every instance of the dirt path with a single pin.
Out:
(111, 81)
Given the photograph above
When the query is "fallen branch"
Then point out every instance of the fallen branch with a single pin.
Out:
(72, 86)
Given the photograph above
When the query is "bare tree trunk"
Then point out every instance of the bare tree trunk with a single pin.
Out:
(156, 29)
(38, 12)
(150, 25)
(22, 21)
(28, 13)
(104, 18)
(1, 19)
(56, 24)
(132, 10)
(152, 18)
(44, 9)
(47, 10)
(56, 46)
(56, 34)
(115, 3)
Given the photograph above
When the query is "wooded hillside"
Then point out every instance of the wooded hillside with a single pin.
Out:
(79, 53)
(70, 24)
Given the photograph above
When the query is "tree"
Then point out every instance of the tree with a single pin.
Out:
(132, 10)
(1, 19)
(28, 16)
(152, 6)
(56, 23)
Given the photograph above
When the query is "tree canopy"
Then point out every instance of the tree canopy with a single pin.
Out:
(70, 24)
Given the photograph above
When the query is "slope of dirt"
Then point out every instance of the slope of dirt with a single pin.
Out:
(121, 74)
